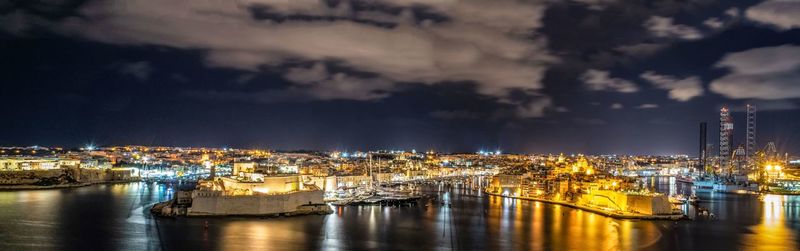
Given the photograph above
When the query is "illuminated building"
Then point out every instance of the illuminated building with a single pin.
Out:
(25, 164)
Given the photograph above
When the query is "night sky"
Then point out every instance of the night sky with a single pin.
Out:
(591, 76)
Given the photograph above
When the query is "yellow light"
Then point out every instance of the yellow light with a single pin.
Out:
(777, 168)
(614, 183)
(574, 169)
(769, 167)
(589, 171)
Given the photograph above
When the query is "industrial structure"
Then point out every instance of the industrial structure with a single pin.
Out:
(750, 146)
(703, 154)
(742, 160)
(725, 137)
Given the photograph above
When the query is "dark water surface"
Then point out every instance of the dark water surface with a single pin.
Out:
(115, 217)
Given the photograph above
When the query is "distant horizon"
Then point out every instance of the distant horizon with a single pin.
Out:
(362, 150)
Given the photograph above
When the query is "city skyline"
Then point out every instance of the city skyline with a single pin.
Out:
(400, 125)
(594, 77)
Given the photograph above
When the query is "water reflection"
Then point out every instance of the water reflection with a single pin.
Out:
(115, 217)
(774, 232)
(526, 225)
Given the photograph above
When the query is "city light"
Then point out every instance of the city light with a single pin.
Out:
(206, 125)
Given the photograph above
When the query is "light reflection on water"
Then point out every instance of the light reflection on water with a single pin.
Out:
(113, 217)
(774, 232)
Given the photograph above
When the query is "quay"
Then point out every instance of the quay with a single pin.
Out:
(68, 177)
(36, 187)
(62, 186)
(607, 213)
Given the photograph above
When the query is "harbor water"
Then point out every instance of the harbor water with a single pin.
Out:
(116, 217)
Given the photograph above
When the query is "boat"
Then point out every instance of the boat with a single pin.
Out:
(677, 199)
(342, 202)
(684, 179)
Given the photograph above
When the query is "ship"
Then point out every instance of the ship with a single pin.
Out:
(703, 184)
(684, 179)
(724, 186)
(731, 187)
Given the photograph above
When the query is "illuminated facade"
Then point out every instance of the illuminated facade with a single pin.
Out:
(23, 164)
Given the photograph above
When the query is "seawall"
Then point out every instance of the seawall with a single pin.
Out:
(209, 203)
(61, 178)
(612, 214)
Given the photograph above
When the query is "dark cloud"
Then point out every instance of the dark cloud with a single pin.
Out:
(489, 44)
(456, 114)
(452, 75)
(761, 73)
(666, 28)
(140, 70)
(679, 89)
(782, 14)
(647, 106)
(597, 80)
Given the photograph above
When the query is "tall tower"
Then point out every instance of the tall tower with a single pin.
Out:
(703, 147)
(750, 148)
(725, 137)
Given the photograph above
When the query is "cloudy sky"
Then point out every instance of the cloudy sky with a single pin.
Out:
(593, 76)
